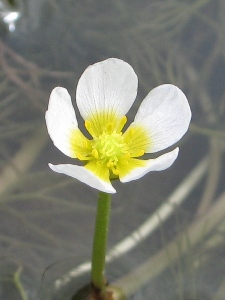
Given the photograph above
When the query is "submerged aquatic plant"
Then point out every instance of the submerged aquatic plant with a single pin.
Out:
(105, 93)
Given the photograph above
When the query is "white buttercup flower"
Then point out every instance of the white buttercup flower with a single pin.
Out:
(105, 93)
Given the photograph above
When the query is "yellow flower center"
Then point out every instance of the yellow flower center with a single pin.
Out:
(110, 151)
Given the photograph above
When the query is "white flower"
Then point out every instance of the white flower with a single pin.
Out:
(105, 93)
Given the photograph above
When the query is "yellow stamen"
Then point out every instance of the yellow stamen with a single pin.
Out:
(122, 122)
(138, 153)
(109, 164)
(81, 157)
(89, 128)
(115, 172)
(95, 153)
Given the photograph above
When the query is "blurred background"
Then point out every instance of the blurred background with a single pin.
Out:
(47, 218)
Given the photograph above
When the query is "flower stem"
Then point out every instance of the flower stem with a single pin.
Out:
(100, 241)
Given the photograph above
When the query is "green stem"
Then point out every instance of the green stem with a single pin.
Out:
(100, 240)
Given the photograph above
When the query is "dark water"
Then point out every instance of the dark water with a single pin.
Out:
(46, 218)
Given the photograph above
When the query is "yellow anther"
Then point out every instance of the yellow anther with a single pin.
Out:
(137, 153)
(95, 153)
(115, 171)
(121, 124)
(140, 153)
(80, 157)
(89, 127)
(109, 164)
(83, 157)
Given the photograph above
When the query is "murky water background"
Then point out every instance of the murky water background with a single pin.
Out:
(46, 218)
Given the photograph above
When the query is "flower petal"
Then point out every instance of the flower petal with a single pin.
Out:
(165, 114)
(85, 176)
(109, 87)
(158, 164)
(61, 120)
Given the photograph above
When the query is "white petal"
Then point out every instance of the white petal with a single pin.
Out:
(165, 114)
(158, 164)
(110, 85)
(84, 176)
(60, 119)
